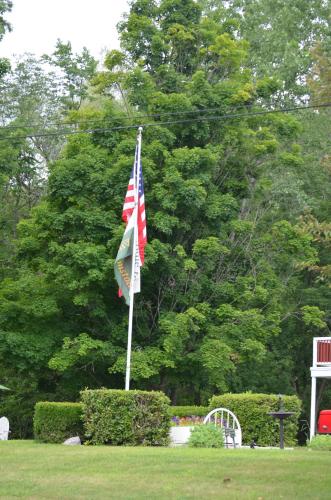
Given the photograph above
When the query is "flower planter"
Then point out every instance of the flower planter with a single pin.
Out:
(180, 434)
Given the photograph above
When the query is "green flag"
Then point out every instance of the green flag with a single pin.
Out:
(124, 260)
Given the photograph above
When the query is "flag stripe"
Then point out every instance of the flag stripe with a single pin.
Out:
(129, 203)
(140, 217)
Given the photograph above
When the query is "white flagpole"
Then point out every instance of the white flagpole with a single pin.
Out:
(135, 246)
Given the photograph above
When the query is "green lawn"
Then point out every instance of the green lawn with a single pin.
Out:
(33, 470)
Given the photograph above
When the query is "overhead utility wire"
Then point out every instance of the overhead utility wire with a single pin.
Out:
(171, 122)
(136, 116)
(132, 117)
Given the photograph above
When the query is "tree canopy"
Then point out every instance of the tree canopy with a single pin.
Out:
(236, 280)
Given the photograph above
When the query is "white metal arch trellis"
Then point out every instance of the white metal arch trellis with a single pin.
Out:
(226, 419)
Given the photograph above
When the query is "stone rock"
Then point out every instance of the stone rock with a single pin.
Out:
(73, 441)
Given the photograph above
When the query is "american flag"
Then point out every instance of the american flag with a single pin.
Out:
(129, 203)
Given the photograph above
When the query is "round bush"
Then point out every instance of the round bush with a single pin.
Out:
(206, 436)
(117, 417)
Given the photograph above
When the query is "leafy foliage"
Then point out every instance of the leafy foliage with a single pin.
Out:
(320, 443)
(5, 6)
(126, 417)
(206, 436)
(236, 275)
(77, 70)
(280, 35)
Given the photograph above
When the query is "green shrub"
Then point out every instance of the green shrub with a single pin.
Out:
(189, 411)
(56, 422)
(206, 436)
(320, 442)
(252, 413)
(120, 417)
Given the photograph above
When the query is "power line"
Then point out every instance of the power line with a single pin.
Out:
(132, 117)
(136, 116)
(171, 122)
(149, 115)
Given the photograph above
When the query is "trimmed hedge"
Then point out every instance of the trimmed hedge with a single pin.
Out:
(56, 422)
(120, 417)
(252, 413)
(189, 411)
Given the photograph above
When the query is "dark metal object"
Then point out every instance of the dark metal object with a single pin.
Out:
(230, 433)
(281, 414)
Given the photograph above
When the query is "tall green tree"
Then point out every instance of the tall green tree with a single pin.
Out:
(76, 72)
(5, 6)
(216, 269)
(34, 102)
(280, 34)
(228, 249)
(290, 41)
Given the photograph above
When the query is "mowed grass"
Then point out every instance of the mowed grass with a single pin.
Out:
(33, 470)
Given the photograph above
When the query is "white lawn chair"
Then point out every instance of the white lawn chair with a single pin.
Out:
(229, 424)
(4, 428)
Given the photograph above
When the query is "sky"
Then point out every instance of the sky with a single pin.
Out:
(37, 24)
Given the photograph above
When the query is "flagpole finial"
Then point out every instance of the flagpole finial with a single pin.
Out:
(140, 129)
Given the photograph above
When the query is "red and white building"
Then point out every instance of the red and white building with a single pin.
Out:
(321, 369)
